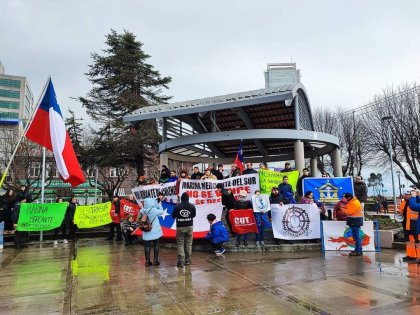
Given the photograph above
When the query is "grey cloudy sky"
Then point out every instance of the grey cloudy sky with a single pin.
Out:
(347, 51)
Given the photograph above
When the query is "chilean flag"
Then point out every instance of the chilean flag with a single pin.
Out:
(239, 160)
(48, 130)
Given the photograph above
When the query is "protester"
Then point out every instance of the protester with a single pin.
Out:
(152, 209)
(242, 203)
(409, 215)
(219, 172)
(339, 213)
(299, 185)
(286, 191)
(8, 201)
(262, 220)
(196, 173)
(360, 190)
(182, 175)
(20, 236)
(287, 167)
(116, 220)
(275, 197)
(208, 175)
(235, 171)
(217, 234)
(23, 192)
(354, 215)
(128, 227)
(412, 247)
(263, 166)
(377, 206)
(325, 174)
(173, 177)
(249, 169)
(184, 214)
(165, 173)
(62, 227)
(228, 202)
(132, 199)
(385, 205)
(309, 199)
(71, 210)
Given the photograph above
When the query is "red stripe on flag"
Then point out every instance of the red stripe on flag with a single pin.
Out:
(76, 175)
(39, 130)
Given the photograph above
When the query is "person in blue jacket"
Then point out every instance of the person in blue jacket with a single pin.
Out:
(414, 204)
(217, 234)
(152, 209)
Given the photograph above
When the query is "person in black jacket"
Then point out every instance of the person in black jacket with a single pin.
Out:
(228, 202)
(184, 214)
(196, 173)
(63, 227)
(20, 236)
(249, 169)
(360, 190)
(71, 210)
(299, 186)
(8, 201)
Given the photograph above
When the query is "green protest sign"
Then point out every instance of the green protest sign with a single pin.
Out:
(269, 179)
(41, 216)
(92, 216)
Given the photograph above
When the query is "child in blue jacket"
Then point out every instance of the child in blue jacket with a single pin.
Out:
(217, 234)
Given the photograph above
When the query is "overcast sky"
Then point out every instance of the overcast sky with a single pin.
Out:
(347, 51)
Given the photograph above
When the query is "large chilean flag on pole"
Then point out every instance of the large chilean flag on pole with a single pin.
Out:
(48, 130)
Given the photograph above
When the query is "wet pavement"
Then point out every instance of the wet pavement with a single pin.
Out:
(96, 277)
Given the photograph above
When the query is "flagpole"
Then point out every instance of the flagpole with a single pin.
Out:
(24, 132)
(41, 234)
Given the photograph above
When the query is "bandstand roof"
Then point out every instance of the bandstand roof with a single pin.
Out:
(268, 120)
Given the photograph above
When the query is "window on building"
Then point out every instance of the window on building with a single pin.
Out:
(90, 172)
(35, 169)
(8, 115)
(9, 93)
(112, 172)
(10, 83)
(9, 105)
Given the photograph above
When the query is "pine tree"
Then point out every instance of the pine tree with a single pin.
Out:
(75, 129)
(122, 82)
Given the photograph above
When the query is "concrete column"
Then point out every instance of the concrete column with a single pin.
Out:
(164, 160)
(336, 162)
(299, 155)
(314, 168)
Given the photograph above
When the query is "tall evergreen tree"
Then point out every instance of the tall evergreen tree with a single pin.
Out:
(122, 82)
(75, 129)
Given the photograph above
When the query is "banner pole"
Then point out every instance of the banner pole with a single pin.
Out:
(322, 238)
(24, 132)
(378, 246)
(41, 234)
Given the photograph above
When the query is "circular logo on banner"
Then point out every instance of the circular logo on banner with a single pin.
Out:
(261, 203)
(295, 222)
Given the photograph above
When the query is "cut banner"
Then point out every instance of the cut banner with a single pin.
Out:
(243, 221)
(127, 207)
(270, 179)
(92, 216)
(337, 236)
(41, 216)
(295, 221)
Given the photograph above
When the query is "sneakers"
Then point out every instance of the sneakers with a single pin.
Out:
(238, 243)
(258, 244)
(355, 254)
(220, 251)
(187, 261)
(262, 243)
(246, 243)
(55, 243)
(180, 264)
(65, 241)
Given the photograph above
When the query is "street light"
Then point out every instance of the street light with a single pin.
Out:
(388, 119)
(399, 181)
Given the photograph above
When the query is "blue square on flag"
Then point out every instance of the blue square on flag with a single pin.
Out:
(166, 219)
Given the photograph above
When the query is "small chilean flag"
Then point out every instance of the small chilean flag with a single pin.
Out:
(239, 160)
(48, 130)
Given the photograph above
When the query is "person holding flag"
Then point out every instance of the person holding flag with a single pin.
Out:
(239, 159)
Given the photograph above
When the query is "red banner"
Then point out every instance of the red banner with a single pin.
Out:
(243, 221)
(127, 207)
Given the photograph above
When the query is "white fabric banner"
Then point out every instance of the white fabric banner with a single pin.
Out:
(261, 203)
(295, 221)
(203, 192)
(338, 236)
(152, 191)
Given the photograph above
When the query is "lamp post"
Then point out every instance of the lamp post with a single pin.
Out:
(399, 181)
(388, 119)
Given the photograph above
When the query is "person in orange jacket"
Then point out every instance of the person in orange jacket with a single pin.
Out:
(410, 227)
(353, 210)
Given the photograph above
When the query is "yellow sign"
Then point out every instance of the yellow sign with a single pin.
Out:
(270, 179)
(92, 216)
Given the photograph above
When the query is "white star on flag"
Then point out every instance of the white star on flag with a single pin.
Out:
(165, 213)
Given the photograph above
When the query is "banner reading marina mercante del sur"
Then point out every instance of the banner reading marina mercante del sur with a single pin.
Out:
(41, 216)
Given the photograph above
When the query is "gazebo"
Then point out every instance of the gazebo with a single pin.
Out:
(274, 125)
